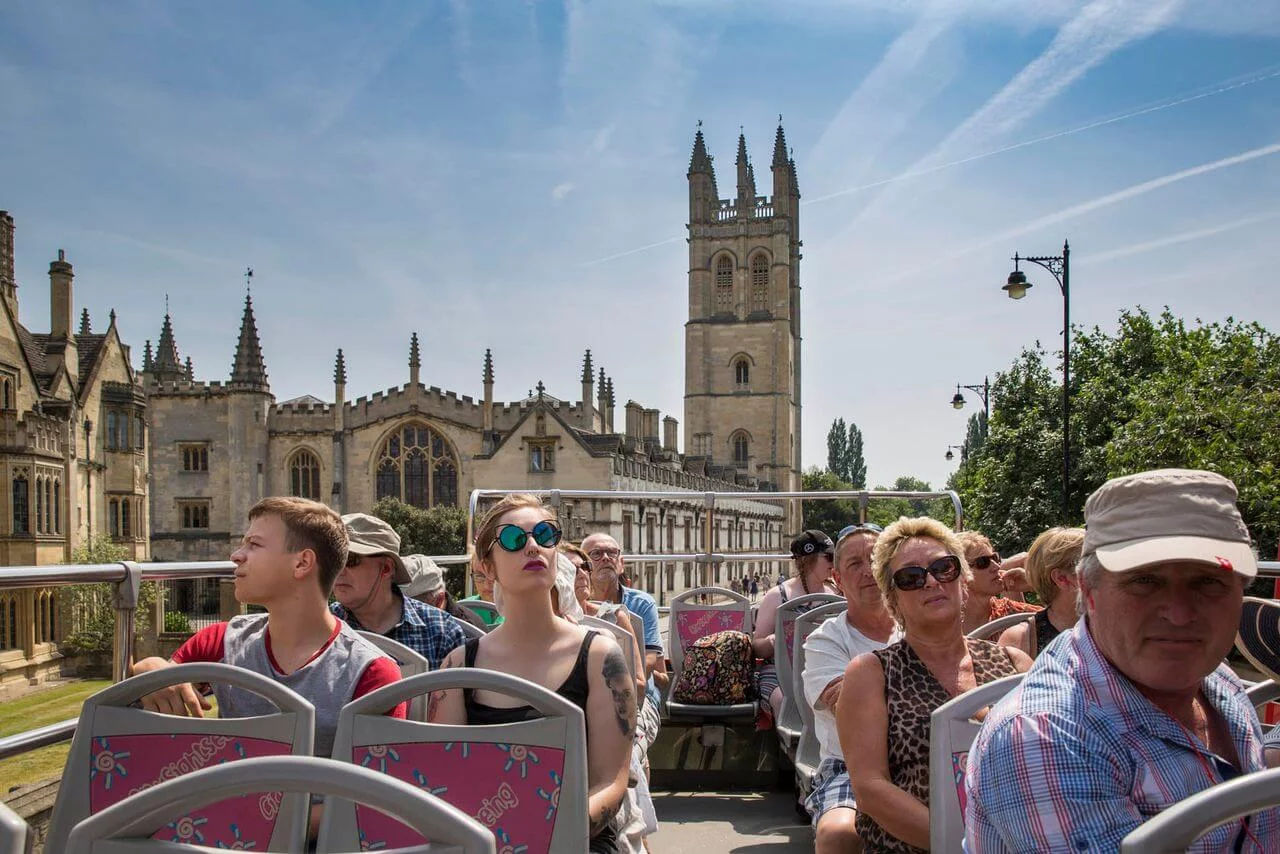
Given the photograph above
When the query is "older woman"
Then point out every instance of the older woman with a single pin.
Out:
(985, 598)
(812, 561)
(1051, 569)
(516, 546)
(882, 717)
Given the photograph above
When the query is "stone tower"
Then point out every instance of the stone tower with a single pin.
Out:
(742, 340)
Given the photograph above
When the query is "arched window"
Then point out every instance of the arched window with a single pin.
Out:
(760, 283)
(304, 475)
(126, 524)
(417, 466)
(21, 524)
(113, 517)
(741, 448)
(39, 505)
(724, 285)
(48, 505)
(57, 507)
(742, 373)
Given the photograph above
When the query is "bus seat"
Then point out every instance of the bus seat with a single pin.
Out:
(1179, 826)
(482, 610)
(525, 781)
(411, 663)
(789, 722)
(1265, 697)
(471, 630)
(951, 732)
(15, 835)
(621, 635)
(1258, 638)
(691, 620)
(808, 751)
(118, 750)
(141, 823)
(991, 631)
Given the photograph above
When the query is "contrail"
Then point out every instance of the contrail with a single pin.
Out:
(1174, 239)
(1237, 83)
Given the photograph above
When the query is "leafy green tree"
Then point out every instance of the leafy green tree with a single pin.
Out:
(92, 618)
(975, 435)
(838, 449)
(437, 531)
(829, 515)
(855, 466)
(886, 511)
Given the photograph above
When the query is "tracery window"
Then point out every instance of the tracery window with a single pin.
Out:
(417, 466)
(742, 373)
(724, 285)
(304, 475)
(760, 283)
(741, 448)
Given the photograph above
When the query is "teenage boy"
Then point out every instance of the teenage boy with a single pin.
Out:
(287, 563)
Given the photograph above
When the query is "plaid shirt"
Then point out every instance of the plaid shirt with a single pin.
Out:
(422, 628)
(1075, 758)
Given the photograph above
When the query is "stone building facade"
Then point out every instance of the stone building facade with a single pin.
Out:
(742, 340)
(218, 446)
(73, 454)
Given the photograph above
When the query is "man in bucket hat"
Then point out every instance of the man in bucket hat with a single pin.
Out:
(1132, 710)
(428, 586)
(369, 597)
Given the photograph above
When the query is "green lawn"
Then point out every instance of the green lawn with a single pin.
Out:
(35, 710)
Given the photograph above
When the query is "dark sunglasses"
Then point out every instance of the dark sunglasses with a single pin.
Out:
(513, 538)
(354, 559)
(985, 561)
(944, 569)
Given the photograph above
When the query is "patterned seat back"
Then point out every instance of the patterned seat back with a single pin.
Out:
(134, 824)
(119, 751)
(691, 620)
(784, 644)
(411, 663)
(951, 732)
(526, 781)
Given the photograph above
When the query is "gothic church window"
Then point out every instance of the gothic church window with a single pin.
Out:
(304, 476)
(724, 285)
(542, 456)
(760, 283)
(195, 514)
(741, 448)
(417, 466)
(195, 457)
(742, 374)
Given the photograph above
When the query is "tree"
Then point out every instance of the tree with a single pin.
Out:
(831, 514)
(975, 435)
(838, 449)
(886, 511)
(92, 617)
(855, 470)
(437, 531)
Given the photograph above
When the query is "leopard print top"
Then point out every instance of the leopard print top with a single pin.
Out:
(911, 694)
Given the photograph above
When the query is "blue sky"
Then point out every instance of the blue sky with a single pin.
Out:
(512, 176)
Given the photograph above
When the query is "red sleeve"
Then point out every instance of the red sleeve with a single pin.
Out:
(380, 672)
(204, 645)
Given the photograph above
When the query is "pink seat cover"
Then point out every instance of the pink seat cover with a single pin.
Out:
(513, 789)
(122, 765)
(959, 765)
(694, 623)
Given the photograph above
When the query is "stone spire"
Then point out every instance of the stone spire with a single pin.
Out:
(609, 402)
(248, 370)
(586, 368)
(780, 147)
(784, 178)
(146, 356)
(488, 399)
(745, 179)
(166, 365)
(85, 326)
(190, 371)
(340, 369)
(415, 362)
(488, 367)
(700, 162)
(602, 398)
(587, 412)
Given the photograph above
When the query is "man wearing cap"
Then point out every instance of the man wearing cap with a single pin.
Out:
(369, 597)
(812, 559)
(427, 586)
(1132, 710)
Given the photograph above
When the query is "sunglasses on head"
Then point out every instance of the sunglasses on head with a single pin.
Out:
(944, 569)
(985, 561)
(512, 538)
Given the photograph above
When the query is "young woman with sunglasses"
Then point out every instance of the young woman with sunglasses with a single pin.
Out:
(919, 567)
(516, 543)
(985, 598)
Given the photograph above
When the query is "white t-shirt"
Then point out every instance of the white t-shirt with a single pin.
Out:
(827, 652)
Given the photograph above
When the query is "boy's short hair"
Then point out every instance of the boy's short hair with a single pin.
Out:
(310, 525)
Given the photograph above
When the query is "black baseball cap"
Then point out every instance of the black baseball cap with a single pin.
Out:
(812, 542)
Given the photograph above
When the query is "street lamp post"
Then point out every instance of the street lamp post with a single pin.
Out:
(1060, 268)
(957, 402)
(951, 456)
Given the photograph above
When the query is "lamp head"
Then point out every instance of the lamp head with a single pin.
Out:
(950, 456)
(957, 402)
(1017, 285)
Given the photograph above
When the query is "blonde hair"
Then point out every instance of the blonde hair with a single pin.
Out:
(969, 539)
(894, 537)
(1056, 548)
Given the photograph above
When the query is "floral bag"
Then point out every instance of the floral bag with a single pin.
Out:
(718, 671)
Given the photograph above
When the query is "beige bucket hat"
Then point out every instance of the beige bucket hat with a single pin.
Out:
(427, 576)
(1168, 515)
(369, 535)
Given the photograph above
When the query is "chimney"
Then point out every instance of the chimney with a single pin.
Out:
(8, 285)
(635, 419)
(61, 314)
(670, 428)
(651, 426)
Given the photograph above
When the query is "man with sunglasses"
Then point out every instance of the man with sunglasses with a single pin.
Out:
(1133, 709)
(985, 592)
(370, 598)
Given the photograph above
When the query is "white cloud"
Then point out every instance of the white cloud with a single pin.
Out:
(559, 191)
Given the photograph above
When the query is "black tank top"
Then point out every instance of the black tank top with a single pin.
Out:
(1045, 632)
(574, 689)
